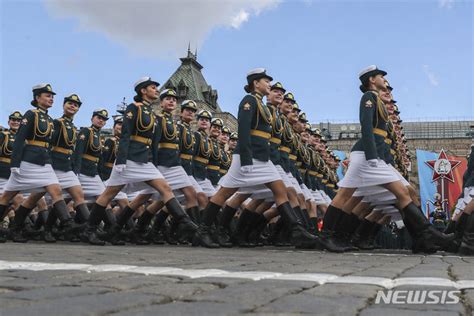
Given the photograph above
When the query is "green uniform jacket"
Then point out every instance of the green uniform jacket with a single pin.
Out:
(254, 128)
(63, 142)
(226, 160)
(277, 129)
(186, 147)
(214, 164)
(138, 129)
(167, 140)
(286, 143)
(201, 155)
(87, 152)
(372, 114)
(7, 138)
(107, 158)
(36, 127)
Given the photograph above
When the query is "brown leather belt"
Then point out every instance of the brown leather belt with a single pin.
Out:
(140, 139)
(223, 171)
(262, 134)
(285, 149)
(212, 167)
(186, 156)
(109, 164)
(62, 150)
(37, 143)
(90, 158)
(168, 145)
(275, 140)
(4, 159)
(293, 157)
(202, 160)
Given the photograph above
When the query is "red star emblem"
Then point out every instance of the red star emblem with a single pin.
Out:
(443, 167)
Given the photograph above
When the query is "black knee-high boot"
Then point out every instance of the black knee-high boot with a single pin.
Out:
(67, 225)
(203, 235)
(331, 218)
(467, 244)
(243, 224)
(299, 236)
(18, 223)
(95, 217)
(426, 237)
(193, 213)
(82, 213)
(155, 235)
(48, 227)
(140, 230)
(186, 227)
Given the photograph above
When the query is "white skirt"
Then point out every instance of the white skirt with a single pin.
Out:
(295, 183)
(32, 178)
(180, 196)
(400, 177)
(3, 183)
(306, 192)
(368, 191)
(360, 174)
(262, 172)
(206, 187)
(326, 197)
(91, 186)
(318, 198)
(120, 196)
(67, 179)
(134, 176)
(284, 176)
(176, 178)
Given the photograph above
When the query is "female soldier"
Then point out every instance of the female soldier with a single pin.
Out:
(63, 142)
(6, 147)
(251, 165)
(31, 165)
(215, 155)
(367, 167)
(134, 166)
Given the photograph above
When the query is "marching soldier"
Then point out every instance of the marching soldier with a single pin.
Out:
(136, 156)
(202, 152)
(7, 137)
(234, 137)
(251, 165)
(226, 157)
(367, 167)
(63, 143)
(168, 162)
(215, 154)
(109, 150)
(87, 155)
(31, 165)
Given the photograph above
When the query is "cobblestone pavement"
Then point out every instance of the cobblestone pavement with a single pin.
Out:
(163, 280)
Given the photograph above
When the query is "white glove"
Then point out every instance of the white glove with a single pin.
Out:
(246, 169)
(372, 163)
(119, 168)
(15, 170)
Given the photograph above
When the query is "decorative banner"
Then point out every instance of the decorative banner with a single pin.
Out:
(443, 167)
(427, 187)
(440, 174)
(340, 169)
